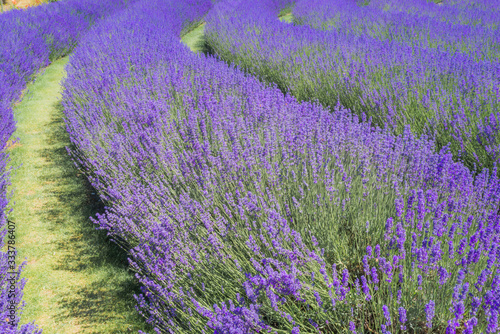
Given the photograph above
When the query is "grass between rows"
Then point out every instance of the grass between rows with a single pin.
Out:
(194, 39)
(286, 17)
(78, 281)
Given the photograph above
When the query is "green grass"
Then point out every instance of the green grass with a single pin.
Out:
(288, 18)
(78, 281)
(194, 38)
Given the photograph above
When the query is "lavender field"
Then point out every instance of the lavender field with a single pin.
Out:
(335, 174)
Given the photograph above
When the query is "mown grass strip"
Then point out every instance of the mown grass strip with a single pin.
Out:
(287, 18)
(78, 282)
(194, 39)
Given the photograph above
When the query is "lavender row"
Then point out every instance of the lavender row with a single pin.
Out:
(30, 39)
(247, 211)
(385, 23)
(451, 97)
(465, 12)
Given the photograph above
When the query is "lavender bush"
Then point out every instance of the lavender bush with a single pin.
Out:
(398, 68)
(414, 23)
(30, 39)
(464, 12)
(246, 211)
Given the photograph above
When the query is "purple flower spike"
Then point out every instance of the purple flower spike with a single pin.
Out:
(429, 312)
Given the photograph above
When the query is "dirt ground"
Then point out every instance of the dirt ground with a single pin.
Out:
(8, 4)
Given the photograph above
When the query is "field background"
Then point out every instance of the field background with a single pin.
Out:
(8, 4)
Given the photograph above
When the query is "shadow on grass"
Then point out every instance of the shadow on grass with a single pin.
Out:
(83, 248)
(204, 47)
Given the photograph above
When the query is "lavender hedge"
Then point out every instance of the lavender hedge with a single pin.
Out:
(464, 12)
(414, 23)
(398, 68)
(29, 40)
(247, 211)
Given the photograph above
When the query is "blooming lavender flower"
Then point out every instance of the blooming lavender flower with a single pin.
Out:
(443, 275)
(475, 303)
(429, 312)
(345, 277)
(374, 276)
(387, 314)
(365, 288)
(469, 325)
(388, 228)
(369, 250)
(402, 317)
(492, 322)
(352, 327)
(383, 327)
(452, 326)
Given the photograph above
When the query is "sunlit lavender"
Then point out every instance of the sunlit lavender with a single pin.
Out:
(433, 67)
(247, 211)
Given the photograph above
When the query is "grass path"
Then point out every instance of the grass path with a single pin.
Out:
(77, 280)
(194, 38)
(287, 17)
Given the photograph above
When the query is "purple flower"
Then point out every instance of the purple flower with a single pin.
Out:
(388, 228)
(492, 322)
(387, 314)
(365, 287)
(352, 327)
(345, 277)
(443, 275)
(469, 325)
(459, 310)
(383, 327)
(402, 317)
(429, 312)
(475, 303)
(452, 326)
(374, 276)
(234, 319)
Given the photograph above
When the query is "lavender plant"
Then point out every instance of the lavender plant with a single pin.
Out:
(412, 27)
(465, 12)
(446, 95)
(246, 211)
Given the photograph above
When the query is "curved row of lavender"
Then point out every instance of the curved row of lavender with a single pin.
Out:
(245, 211)
(448, 95)
(410, 28)
(464, 12)
(30, 39)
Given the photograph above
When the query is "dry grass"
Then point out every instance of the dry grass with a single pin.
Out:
(20, 4)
